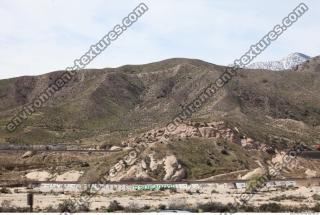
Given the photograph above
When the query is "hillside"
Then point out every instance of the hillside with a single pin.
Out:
(101, 108)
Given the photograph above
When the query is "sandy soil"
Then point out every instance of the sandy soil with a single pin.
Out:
(69, 176)
(155, 198)
(46, 176)
(39, 175)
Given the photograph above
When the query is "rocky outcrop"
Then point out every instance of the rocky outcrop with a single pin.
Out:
(174, 170)
(28, 154)
(149, 168)
(216, 130)
(146, 167)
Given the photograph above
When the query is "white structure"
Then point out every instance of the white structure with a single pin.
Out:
(240, 185)
(108, 188)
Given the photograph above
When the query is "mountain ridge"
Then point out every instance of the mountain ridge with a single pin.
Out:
(289, 62)
(103, 108)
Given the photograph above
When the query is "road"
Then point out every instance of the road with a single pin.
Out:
(57, 150)
(311, 154)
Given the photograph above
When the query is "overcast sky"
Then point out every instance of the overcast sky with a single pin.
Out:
(41, 36)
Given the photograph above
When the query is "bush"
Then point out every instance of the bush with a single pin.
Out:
(214, 191)
(247, 208)
(224, 151)
(114, 206)
(6, 204)
(50, 209)
(5, 190)
(284, 197)
(173, 190)
(316, 208)
(316, 197)
(84, 207)
(67, 206)
(189, 192)
(177, 206)
(132, 208)
(270, 207)
(103, 209)
(7, 207)
(105, 146)
(162, 207)
(146, 207)
(216, 207)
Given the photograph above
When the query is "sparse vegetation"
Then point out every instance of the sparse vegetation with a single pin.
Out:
(6, 203)
(162, 207)
(145, 207)
(270, 207)
(187, 151)
(67, 206)
(216, 207)
(132, 208)
(173, 190)
(189, 192)
(114, 206)
(6, 206)
(316, 208)
(178, 206)
(84, 207)
(290, 197)
(50, 209)
(214, 191)
(316, 197)
(5, 190)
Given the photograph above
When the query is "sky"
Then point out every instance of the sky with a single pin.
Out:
(42, 36)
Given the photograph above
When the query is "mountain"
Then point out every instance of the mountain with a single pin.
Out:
(258, 113)
(289, 62)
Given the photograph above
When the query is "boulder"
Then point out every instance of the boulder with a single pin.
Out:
(28, 154)
(115, 148)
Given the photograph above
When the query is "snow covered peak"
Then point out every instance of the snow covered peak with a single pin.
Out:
(289, 62)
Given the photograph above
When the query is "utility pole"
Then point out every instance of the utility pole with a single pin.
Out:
(30, 201)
